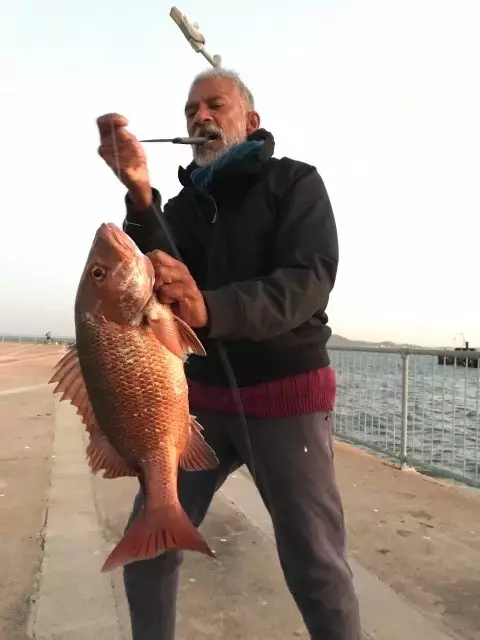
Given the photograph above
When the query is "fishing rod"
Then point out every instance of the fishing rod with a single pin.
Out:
(194, 36)
(197, 41)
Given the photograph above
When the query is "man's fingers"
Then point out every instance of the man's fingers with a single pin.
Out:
(167, 275)
(164, 299)
(105, 122)
(122, 135)
(121, 150)
(173, 280)
(163, 259)
(122, 140)
(168, 269)
(171, 293)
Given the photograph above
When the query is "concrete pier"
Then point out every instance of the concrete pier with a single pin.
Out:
(414, 542)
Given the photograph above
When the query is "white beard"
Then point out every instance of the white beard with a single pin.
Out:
(204, 155)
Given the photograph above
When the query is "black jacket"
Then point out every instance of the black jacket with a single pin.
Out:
(262, 247)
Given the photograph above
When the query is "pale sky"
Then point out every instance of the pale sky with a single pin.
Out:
(382, 96)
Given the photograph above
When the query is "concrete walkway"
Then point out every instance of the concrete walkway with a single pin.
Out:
(241, 595)
(414, 542)
(75, 599)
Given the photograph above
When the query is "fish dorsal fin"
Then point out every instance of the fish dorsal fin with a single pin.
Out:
(70, 383)
(171, 331)
(197, 455)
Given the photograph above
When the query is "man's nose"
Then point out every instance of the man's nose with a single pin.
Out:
(203, 115)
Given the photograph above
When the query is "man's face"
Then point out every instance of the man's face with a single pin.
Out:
(215, 105)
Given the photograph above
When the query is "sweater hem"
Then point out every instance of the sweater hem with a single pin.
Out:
(313, 392)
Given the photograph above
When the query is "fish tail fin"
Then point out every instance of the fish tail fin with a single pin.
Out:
(154, 532)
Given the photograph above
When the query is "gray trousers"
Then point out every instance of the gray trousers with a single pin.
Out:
(299, 490)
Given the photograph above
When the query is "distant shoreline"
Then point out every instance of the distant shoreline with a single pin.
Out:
(335, 341)
(340, 341)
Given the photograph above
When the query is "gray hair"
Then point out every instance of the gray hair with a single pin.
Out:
(230, 75)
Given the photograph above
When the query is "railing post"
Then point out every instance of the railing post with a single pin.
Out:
(404, 426)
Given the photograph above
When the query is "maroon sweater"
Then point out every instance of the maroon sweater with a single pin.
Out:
(310, 392)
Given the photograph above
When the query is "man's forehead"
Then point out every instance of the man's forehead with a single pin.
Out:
(209, 88)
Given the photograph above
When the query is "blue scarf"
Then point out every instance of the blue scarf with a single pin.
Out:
(203, 176)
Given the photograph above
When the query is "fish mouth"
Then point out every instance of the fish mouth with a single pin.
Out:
(118, 239)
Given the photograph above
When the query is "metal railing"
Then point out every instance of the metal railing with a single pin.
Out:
(6, 337)
(420, 406)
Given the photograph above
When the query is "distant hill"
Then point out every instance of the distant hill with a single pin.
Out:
(341, 341)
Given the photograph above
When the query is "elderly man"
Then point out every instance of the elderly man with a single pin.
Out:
(259, 255)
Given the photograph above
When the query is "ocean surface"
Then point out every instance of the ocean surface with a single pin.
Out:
(443, 407)
(443, 420)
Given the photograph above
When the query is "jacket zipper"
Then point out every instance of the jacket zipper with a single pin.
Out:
(214, 221)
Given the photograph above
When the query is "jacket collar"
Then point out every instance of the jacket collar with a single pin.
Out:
(248, 165)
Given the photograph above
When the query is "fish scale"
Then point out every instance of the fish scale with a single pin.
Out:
(137, 388)
(125, 375)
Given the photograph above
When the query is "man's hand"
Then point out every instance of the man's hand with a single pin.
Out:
(174, 285)
(124, 154)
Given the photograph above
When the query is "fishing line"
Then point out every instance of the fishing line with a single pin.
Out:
(220, 346)
(115, 148)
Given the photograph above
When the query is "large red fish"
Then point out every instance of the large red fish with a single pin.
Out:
(125, 375)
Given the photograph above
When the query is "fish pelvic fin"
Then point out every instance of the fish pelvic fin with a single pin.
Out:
(154, 532)
(197, 455)
(70, 383)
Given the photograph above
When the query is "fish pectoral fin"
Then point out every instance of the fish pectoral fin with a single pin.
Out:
(166, 334)
(102, 456)
(70, 383)
(198, 455)
(176, 336)
(190, 344)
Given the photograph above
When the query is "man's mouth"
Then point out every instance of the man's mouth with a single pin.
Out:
(211, 136)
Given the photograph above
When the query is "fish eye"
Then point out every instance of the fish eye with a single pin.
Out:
(98, 273)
